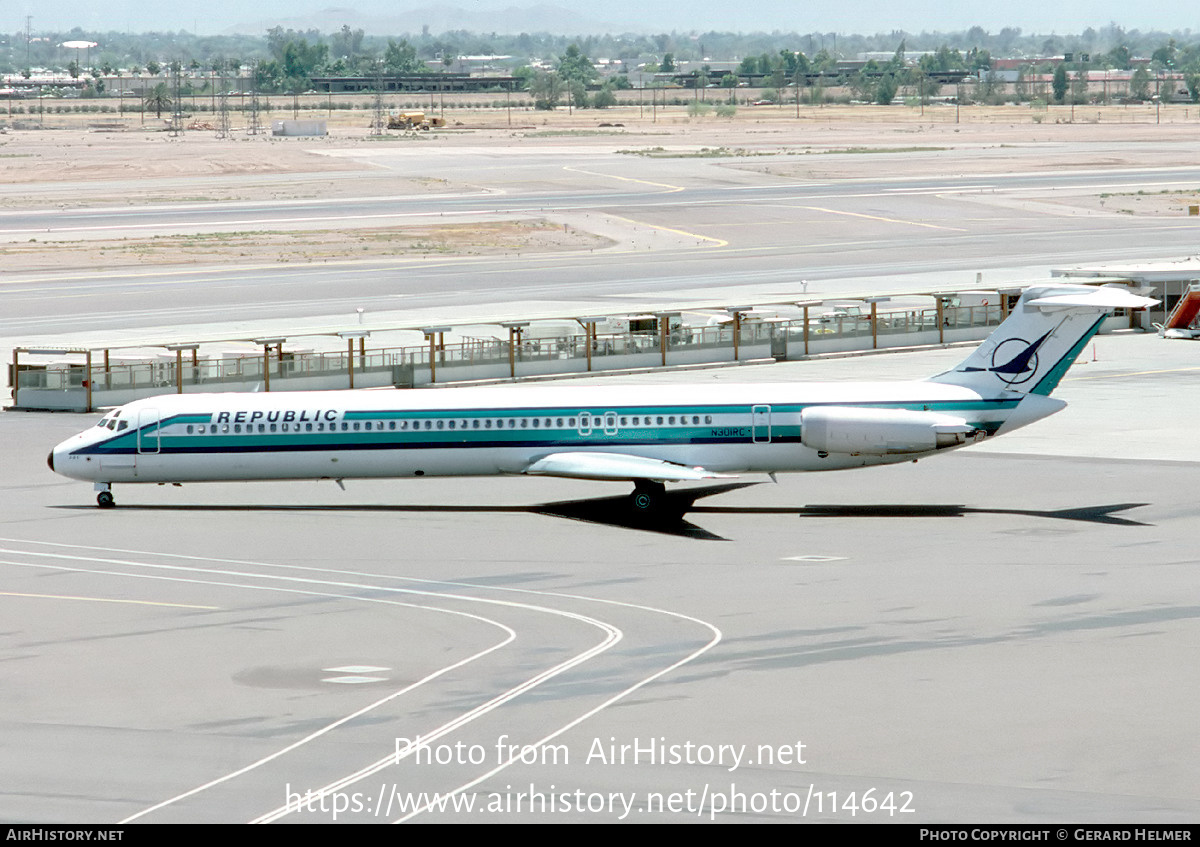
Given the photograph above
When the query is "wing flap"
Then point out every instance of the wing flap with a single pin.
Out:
(617, 466)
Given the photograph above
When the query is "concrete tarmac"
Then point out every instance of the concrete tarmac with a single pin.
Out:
(1005, 634)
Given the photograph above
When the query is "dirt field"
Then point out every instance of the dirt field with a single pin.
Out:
(75, 160)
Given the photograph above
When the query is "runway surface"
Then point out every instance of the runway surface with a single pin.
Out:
(1006, 634)
(990, 636)
(682, 228)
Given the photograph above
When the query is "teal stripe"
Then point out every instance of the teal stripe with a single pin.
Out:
(648, 432)
(642, 411)
(1050, 381)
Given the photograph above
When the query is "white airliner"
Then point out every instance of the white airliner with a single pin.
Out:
(647, 435)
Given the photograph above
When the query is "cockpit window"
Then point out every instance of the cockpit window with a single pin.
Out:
(121, 425)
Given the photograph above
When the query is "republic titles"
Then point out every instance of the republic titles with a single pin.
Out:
(279, 415)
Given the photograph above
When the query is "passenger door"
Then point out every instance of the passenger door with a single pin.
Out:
(148, 439)
(760, 418)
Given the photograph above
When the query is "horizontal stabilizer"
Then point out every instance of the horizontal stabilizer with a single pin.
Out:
(1039, 340)
(1094, 298)
(618, 466)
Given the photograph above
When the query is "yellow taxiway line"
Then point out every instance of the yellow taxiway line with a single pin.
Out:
(878, 218)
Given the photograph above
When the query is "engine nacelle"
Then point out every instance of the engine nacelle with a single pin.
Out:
(878, 432)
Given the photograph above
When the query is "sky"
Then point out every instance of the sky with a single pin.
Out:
(860, 16)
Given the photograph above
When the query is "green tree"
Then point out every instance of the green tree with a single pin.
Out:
(1059, 84)
(925, 87)
(575, 65)
(943, 60)
(1079, 87)
(729, 81)
(301, 59)
(347, 43)
(1139, 84)
(991, 89)
(824, 62)
(1021, 87)
(1164, 57)
(1118, 57)
(979, 59)
(401, 58)
(577, 92)
(1192, 81)
(547, 89)
(158, 98)
(604, 98)
(885, 89)
(863, 82)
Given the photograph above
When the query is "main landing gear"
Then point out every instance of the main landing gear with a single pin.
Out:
(650, 502)
(104, 499)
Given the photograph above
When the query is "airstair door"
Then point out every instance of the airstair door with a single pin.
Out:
(760, 417)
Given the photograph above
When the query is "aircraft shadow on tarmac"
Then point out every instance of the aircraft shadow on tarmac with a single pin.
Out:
(616, 511)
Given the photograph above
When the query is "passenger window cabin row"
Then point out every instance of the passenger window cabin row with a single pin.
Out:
(430, 424)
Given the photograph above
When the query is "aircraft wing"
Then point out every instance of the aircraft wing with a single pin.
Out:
(619, 466)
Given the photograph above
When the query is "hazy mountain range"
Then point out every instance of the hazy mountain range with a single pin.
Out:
(580, 17)
(510, 20)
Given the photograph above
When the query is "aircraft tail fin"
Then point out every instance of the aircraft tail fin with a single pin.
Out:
(1048, 328)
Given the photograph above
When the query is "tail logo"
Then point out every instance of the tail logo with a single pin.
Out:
(1014, 368)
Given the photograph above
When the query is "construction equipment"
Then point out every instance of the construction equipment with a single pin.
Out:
(413, 120)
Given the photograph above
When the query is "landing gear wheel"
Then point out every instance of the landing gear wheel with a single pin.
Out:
(105, 500)
(649, 502)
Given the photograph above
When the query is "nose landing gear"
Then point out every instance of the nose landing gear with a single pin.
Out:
(104, 497)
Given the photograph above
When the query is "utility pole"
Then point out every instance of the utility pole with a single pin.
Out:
(177, 110)
(223, 113)
(254, 127)
(380, 121)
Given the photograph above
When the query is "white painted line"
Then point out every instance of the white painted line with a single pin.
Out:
(695, 654)
(356, 669)
(354, 680)
(813, 558)
(938, 190)
(613, 636)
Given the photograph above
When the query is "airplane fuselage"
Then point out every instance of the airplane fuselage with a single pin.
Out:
(648, 434)
(485, 430)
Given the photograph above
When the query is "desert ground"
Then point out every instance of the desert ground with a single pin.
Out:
(72, 160)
